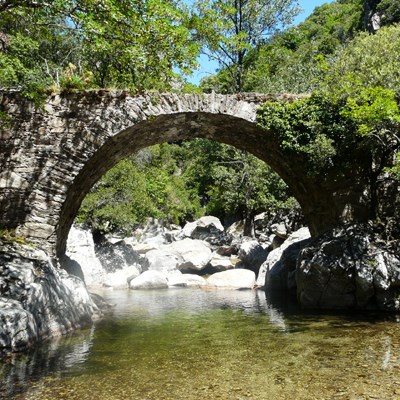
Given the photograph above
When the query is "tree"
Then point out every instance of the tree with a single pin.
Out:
(146, 184)
(389, 11)
(134, 44)
(230, 29)
(232, 183)
(350, 126)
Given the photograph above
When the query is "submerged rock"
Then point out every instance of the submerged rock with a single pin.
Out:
(186, 280)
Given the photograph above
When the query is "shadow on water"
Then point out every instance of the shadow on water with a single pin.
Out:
(297, 319)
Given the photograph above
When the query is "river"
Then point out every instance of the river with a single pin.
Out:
(196, 344)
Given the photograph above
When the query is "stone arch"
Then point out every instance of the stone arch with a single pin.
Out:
(227, 129)
(52, 157)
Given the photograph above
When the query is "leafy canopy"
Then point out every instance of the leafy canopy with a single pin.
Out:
(352, 122)
(133, 44)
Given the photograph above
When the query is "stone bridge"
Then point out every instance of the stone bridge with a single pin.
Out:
(50, 157)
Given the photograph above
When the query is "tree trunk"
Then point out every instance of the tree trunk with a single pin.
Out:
(248, 229)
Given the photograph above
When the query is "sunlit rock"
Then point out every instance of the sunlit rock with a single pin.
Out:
(118, 255)
(120, 279)
(38, 300)
(252, 254)
(12, 180)
(278, 272)
(186, 280)
(236, 229)
(194, 254)
(203, 228)
(143, 248)
(163, 260)
(219, 263)
(348, 267)
(109, 264)
(150, 280)
(80, 248)
(233, 279)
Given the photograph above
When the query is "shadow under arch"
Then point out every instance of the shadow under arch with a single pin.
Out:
(231, 130)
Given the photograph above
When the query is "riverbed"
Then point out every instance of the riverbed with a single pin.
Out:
(195, 344)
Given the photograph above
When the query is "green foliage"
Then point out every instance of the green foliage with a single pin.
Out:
(312, 128)
(144, 185)
(118, 200)
(179, 182)
(230, 29)
(291, 61)
(394, 169)
(133, 44)
(333, 134)
(5, 120)
(374, 109)
(364, 80)
(230, 182)
(368, 61)
(389, 11)
(350, 124)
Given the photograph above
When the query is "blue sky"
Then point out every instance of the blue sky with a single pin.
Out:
(208, 67)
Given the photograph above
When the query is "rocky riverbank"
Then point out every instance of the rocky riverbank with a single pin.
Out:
(352, 267)
(201, 254)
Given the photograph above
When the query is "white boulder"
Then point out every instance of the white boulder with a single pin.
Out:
(194, 254)
(186, 280)
(233, 279)
(163, 260)
(220, 263)
(203, 227)
(150, 280)
(80, 248)
(119, 278)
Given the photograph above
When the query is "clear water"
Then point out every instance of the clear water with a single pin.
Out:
(194, 344)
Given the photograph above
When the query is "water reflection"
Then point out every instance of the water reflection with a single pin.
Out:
(153, 304)
(192, 344)
(19, 371)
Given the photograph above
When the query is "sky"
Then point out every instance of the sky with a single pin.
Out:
(208, 67)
